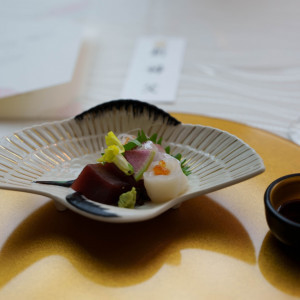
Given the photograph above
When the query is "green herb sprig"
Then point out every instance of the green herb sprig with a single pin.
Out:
(184, 167)
(142, 138)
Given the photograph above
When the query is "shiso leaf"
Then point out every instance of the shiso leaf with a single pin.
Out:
(178, 156)
(141, 138)
(185, 168)
(132, 144)
(153, 138)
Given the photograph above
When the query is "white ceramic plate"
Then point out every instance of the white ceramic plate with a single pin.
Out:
(60, 150)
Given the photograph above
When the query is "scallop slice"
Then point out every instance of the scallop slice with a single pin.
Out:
(161, 188)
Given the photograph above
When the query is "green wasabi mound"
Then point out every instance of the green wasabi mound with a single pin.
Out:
(128, 199)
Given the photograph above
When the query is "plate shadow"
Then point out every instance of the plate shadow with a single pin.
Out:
(124, 254)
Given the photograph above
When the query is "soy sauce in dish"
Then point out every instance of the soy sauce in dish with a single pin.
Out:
(291, 210)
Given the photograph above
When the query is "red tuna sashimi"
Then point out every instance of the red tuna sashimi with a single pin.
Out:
(103, 183)
(140, 161)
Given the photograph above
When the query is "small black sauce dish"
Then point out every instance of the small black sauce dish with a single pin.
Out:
(282, 208)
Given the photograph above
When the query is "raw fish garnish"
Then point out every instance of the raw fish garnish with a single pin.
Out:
(128, 199)
(161, 169)
(184, 167)
(113, 154)
(130, 174)
(142, 138)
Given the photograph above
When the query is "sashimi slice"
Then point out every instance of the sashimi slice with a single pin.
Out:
(140, 161)
(103, 183)
(164, 187)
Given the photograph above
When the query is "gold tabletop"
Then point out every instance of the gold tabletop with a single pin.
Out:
(216, 246)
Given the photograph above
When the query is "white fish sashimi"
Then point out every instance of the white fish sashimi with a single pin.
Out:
(160, 152)
(161, 188)
(125, 137)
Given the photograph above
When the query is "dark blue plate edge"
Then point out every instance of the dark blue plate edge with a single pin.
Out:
(78, 201)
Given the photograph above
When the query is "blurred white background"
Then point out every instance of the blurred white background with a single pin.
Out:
(241, 61)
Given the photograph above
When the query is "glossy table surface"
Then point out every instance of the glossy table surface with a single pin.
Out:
(214, 246)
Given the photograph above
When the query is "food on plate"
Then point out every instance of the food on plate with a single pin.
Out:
(133, 170)
(165, 180)
(103, 182)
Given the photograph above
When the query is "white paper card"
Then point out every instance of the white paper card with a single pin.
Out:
(155, 69)
(37, 54)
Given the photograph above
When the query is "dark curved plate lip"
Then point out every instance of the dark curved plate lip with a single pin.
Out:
(138, 107)
(270, 207)
(92, 207)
